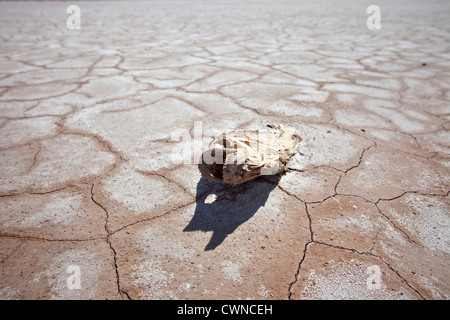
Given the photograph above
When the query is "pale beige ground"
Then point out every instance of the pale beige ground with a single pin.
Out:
(89, 180)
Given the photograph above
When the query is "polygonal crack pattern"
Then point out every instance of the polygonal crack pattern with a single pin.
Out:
(99, 200)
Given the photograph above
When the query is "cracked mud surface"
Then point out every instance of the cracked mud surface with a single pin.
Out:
(87, 178)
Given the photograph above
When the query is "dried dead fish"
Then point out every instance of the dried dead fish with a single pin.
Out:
(238, 156)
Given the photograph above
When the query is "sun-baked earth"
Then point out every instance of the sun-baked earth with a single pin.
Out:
(100, 194)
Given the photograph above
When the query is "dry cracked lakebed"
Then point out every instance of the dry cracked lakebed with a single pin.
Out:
(99, 201)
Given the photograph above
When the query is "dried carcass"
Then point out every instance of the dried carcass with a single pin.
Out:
(238, 156)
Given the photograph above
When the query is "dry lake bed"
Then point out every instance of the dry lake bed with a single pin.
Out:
(105, 105)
